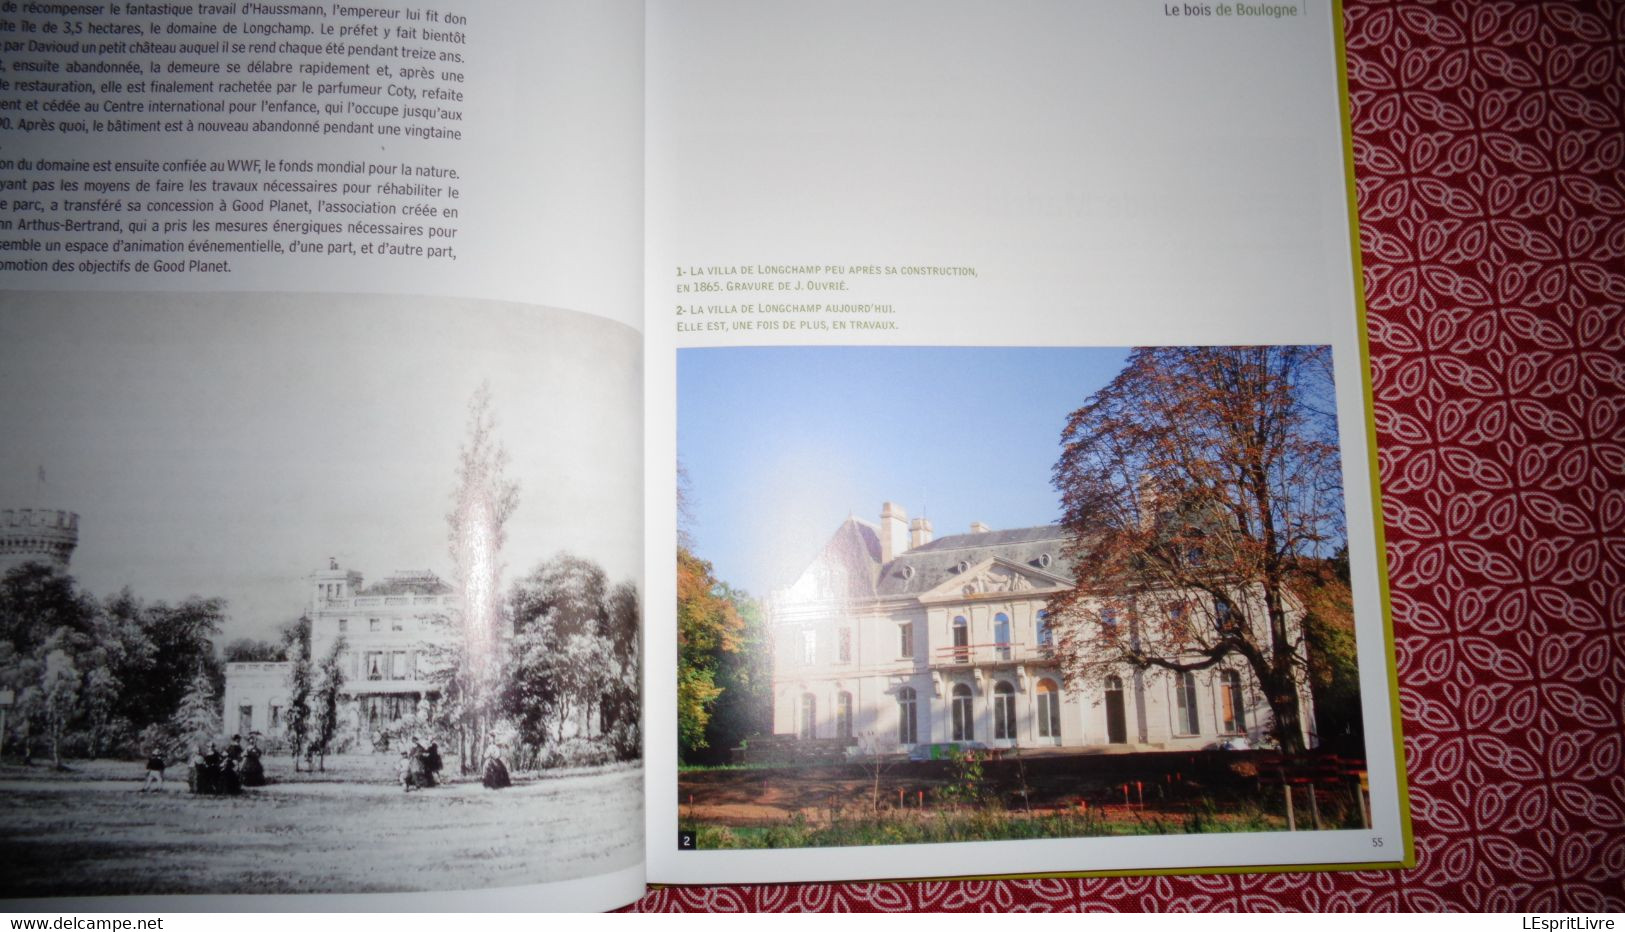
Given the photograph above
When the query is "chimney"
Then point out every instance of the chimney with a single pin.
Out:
(977, 527)
(893, 532)
(919, 533)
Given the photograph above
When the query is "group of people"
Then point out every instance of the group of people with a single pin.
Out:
(213, 773)
(420, 765)
(216, 773)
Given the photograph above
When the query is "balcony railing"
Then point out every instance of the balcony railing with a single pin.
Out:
(990, 654)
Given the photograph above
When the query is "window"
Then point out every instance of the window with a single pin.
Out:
(1004, 712)
(843, 645)
(375, 624)
(1049, 710)
(397, 624)
(1108, 618)
(245, 719)
(809, 716)
(397, 665)
(843, 715)
(1001, 636)
(375, 665)
(908, 731)
(344, 625)
(961, 639)
(1188, 721)
(276, 716)
(1232, 704)
(1043, 635)
(905, 639)
(1224, 615)
(809, 646)
(964, 714)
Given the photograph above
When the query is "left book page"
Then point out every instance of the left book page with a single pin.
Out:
(320, 522)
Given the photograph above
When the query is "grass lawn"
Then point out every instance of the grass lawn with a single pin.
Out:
(352, 829)
(1056, 795)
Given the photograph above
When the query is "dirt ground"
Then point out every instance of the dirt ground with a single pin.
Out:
(352, 829)
(1168, 783)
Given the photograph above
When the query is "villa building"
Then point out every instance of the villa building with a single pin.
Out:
(395, 633)
(893, 638)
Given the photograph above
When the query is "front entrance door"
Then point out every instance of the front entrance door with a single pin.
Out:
(1116, 721)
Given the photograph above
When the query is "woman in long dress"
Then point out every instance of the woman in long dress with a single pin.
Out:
(494, 773)
(419, 769)
(197, 776)
(253, 772)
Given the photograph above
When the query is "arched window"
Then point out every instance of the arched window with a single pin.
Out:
(809, 715)
(843, 715)
(1001, 636)
(1043, 635)
(908, 731)
(961, 639)
(1232, 704)
(1049, 710)
(964, 714)
(1187, 720)
(1004, 711)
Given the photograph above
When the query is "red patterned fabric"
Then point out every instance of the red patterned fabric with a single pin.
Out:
(1490, 161)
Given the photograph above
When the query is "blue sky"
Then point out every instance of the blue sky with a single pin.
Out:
(781, 444)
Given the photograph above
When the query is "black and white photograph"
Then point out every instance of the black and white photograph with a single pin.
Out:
(316, 594)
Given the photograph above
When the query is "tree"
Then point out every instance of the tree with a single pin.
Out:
(252, 650)
(482, 502)
(573, 656)
(745, 677)
(197, 718)
(1196, 488)
(59, 695)
(296, 642)
(325, 695)
(708, 625)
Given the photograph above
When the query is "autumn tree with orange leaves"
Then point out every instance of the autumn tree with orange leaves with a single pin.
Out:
(1201, 487)
(708, 625)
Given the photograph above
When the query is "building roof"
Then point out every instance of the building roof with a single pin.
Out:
(418, 583)
(848, 568)
(929, 565)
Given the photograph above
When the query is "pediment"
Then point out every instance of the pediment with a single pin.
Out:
(995, 578)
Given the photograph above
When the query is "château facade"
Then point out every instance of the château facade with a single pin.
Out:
(396, 633)
(893, 638)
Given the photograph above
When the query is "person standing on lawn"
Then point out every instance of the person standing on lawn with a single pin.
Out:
(155, 770)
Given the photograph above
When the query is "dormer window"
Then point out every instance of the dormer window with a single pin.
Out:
(1044, 560)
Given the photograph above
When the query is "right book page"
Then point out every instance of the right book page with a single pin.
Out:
(1011, 488)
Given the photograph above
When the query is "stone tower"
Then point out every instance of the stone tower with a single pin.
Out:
(37, 535)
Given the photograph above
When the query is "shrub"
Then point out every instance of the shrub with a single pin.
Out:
(579, 752)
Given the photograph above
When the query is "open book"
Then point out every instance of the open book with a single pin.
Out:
(505, 455)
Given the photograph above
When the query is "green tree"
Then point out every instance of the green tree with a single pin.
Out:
(708, 625)
(1196, 487)
(744, 675)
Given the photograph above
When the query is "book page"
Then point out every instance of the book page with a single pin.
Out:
(1008, 425)
(320, 350)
